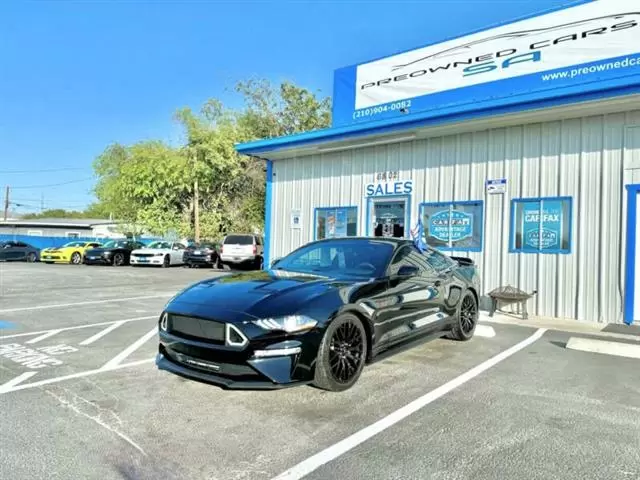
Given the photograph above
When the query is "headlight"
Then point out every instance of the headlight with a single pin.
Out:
(163, 321)
(289, 324)
(159, 254)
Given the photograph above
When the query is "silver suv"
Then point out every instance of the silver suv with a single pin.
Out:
(242, 249)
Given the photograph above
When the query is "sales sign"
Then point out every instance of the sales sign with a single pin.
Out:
(585, 48)
(450, 225)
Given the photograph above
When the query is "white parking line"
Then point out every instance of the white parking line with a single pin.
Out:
(115, 361)
(102, 333)
(87, 373)
(8, 386)
(77, 304)
(44, 336)
(40, 332)
(316, 461)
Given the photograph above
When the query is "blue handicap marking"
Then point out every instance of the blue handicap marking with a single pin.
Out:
(5, 324)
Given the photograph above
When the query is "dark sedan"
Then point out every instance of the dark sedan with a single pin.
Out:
(18, 252)
(318, 315)
(203, 254)
(113, 252)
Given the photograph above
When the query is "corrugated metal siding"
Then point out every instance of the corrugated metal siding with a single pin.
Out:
(589, 159)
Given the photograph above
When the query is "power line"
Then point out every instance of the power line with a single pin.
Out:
(38, 170)
(53, 184)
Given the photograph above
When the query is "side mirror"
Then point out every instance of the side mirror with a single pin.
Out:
(274, 262)
(408, 271)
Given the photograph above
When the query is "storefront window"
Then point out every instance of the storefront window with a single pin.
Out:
(532, 232)
(453, 226)
(336, 222)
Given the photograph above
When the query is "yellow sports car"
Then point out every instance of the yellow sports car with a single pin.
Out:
(72, 252)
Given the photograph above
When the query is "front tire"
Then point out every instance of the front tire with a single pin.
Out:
(342, 354)
(166, 262)
(466, 318)
(31, 257)
(76, 258)
(118, 260)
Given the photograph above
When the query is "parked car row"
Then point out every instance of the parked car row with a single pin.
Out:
(234, 250)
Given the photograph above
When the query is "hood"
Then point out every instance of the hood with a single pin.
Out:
(258, 294)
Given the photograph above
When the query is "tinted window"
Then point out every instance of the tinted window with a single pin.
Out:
(21, 245)
(159, 245)
(238, 240)
(366, 258)
(410, 255)
(437, 260)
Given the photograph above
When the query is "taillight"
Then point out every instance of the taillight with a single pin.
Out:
(255, 249)
(221, 248)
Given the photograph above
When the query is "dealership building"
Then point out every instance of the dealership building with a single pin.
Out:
(517, 146)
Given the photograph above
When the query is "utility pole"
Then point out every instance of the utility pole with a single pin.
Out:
(42, 202)
(6, 203)
(196, 202)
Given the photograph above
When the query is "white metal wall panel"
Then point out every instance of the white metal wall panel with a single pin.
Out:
(589, 159)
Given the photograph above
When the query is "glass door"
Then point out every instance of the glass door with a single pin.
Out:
(389, 217)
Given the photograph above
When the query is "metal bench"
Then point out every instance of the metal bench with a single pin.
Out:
(510, 295)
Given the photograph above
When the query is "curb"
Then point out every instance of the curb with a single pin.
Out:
(584, 328)
(604, 347)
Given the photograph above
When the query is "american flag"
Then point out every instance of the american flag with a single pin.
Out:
(417, 233)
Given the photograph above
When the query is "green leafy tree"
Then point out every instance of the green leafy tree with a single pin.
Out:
(156, 185)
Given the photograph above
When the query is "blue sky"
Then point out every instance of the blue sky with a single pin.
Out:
(76, 76)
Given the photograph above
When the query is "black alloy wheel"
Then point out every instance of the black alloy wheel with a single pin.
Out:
(342, 354)
(31, 257)
(467, 318)
(76, 258)
(166, 262)
(118, 260)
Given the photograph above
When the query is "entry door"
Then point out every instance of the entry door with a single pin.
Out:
(632, 293)
(389, 217)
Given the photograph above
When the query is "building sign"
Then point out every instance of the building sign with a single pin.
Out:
(381, 189)
(386, 176)
(496, 186)
(543, 233)
(451, 225)
(296, 219)
(579, 49)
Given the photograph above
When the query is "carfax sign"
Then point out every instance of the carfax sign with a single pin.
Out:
(543, 232)
(571, 51)
(451, 225)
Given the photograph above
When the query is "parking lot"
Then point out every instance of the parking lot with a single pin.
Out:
(81, 398)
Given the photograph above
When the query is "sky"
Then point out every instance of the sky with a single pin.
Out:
(76, 76)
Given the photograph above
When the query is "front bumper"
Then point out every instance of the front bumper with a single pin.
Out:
(146, 260)
(54, 258)
(234, 368)
(97, 260)
(199, 260)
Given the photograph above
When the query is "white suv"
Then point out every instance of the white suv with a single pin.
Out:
(242, 249)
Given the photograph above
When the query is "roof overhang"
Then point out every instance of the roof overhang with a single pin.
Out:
(426, 125)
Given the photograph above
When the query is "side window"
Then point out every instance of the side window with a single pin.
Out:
(437, 260)
(258, 241)
(399, 259)
(179, 246)
(21, 245)
(409, 255)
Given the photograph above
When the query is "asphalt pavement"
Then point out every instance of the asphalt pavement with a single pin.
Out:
(81, 398)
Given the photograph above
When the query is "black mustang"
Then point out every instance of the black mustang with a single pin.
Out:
(113, 252)
(317, 315)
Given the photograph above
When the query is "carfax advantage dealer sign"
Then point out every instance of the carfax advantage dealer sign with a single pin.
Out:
(584, 48)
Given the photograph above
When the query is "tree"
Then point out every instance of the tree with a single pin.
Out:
(159, 186)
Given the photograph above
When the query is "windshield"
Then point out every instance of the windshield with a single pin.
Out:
(74, 244)
(159, 245)
(361, 257)
(238, 240)
(115, 244)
